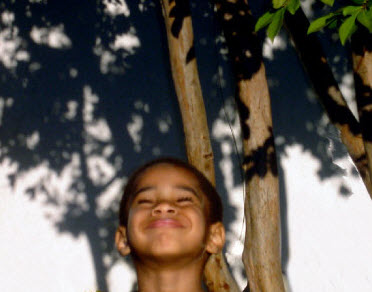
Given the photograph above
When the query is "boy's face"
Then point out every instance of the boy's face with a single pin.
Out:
(167, 217)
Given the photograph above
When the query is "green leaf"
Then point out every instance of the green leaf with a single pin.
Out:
(347, 28)
(328, 2)
(276, 24)
(264, 20)
(320, 22)
(333, 23)
(365, 18)
(278, 3)
(349, 10)
(293, 5)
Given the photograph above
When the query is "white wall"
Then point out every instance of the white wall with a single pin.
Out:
(68, 144)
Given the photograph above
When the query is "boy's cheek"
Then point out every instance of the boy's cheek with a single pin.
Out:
(136, 220)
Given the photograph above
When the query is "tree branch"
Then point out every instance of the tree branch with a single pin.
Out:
(362, 66)
(261, 255)
(328, 92)
(198, 146)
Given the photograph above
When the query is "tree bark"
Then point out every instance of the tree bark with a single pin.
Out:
(199, 151)
(328, 92)
(362, 67)
(261, 255)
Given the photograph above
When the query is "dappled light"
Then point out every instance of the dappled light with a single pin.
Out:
(86, 96)
(115, 8)
(53, 37)
(11, 45)
(68, 149)
(134, 129)
(226, 125)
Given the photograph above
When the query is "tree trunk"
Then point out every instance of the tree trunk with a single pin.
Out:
(261, 255)
(328, 92)
(199, 151)
(362, 66)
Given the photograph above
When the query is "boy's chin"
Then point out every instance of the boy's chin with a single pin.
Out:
(172, 260)
(171, 254)
(164, 242)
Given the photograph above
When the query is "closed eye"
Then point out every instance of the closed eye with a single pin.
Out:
(144, 201)
(185, 199)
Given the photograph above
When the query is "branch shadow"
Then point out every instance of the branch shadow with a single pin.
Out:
(298, 118)
(75, 103)
(78, 102)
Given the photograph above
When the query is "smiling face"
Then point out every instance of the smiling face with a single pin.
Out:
(166, 217)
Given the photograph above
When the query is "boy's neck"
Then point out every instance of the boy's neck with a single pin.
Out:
(187, 278)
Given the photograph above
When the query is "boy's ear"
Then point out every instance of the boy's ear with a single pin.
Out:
(121, 241)
(216, 238)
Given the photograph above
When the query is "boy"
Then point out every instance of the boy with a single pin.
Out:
(170, 222)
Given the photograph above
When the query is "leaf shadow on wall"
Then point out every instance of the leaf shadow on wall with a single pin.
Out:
(87, 96)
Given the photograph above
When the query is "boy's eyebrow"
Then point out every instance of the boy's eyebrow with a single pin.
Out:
(144, 189)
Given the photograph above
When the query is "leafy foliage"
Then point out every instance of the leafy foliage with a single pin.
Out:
(293, 6)
(328, 2)
(264, 20)
(347, 19)
(347, 28)
(365, 18)
(274, 17)
(276, 23)
(323, 21)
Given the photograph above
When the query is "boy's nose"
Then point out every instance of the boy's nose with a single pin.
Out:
(164, 207)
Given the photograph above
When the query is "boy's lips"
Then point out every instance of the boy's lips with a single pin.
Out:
(165, 222)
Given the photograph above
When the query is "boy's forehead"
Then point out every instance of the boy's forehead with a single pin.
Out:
(168, 172)
(166, 169)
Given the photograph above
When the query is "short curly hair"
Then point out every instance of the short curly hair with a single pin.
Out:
(214, 203)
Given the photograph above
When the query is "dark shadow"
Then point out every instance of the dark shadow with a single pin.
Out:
(60, 93)
(179, 11)
(72, 78)
(312, 54)
(262, 160)
(54, 99)
(243, 44)
(361, 45)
